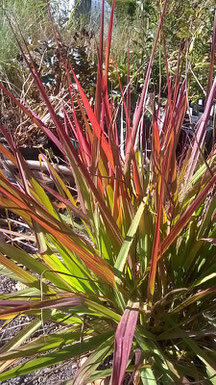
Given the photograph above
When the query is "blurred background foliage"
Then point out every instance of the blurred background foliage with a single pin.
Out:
(188, 24)
(31, 17)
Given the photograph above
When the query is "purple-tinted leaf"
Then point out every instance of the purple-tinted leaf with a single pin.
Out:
(123, 342)
(200, 134)
(22, 306)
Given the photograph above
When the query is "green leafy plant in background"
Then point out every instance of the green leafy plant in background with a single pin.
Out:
(188, 20)
(136, 24)
(136, 278)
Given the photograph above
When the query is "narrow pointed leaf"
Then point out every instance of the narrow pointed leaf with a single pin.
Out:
(185, 218)
(66, 353)
(123, 342)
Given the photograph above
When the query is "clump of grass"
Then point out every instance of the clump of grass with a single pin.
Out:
(32, 16)
(29, 14)
(138, 278)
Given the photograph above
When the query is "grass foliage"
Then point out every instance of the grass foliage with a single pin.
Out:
(32, 16)
(136, 278)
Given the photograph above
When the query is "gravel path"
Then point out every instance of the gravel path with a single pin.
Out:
(52, 375)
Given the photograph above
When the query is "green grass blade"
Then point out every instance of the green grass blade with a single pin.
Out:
(124, 251)
(52, 359)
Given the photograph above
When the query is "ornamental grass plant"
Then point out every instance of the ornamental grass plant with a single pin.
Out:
(134, 278)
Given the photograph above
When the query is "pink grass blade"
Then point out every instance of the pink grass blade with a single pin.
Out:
(34, 118)
(23, 306)
(212, 62)
(109, 38)
(98, 95)
(128, 92)
(142, 102)
(123, 342)
(200, 134)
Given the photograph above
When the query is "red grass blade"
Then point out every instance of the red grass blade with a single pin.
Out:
(95, 125)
